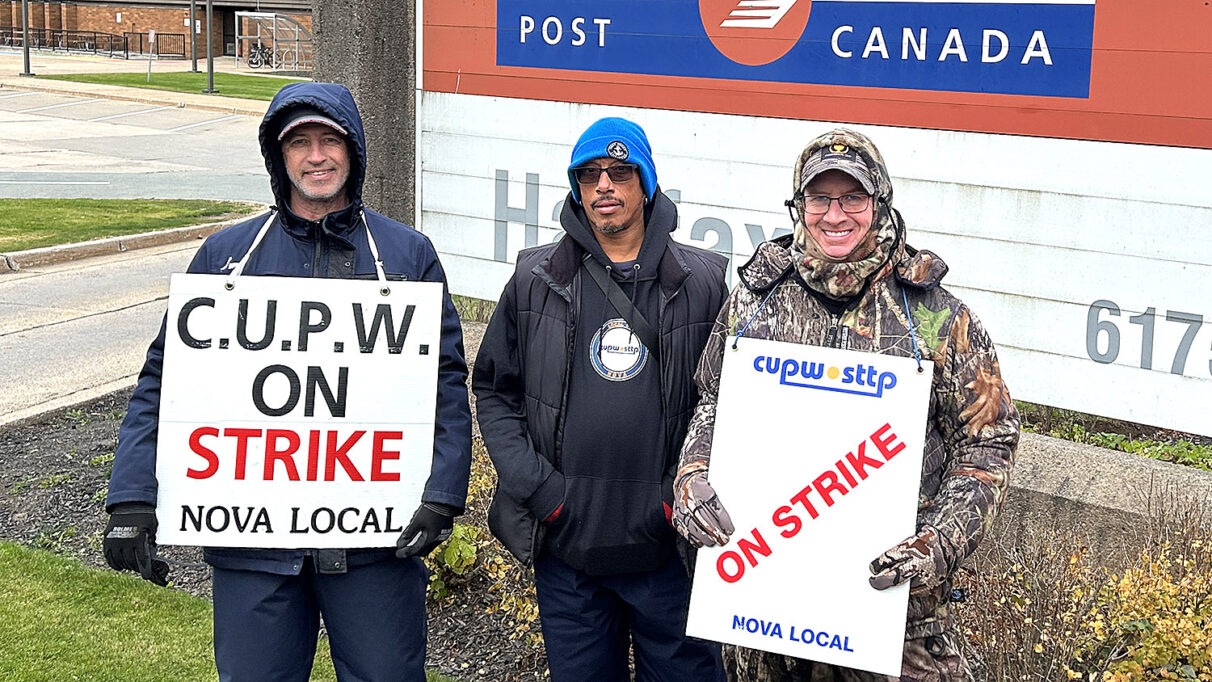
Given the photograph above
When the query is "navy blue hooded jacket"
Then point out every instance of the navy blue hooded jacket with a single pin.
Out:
(334, 246)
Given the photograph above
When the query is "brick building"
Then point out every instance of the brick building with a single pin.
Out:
(134, 19)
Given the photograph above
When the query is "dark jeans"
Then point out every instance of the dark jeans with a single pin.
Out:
(266, 624)
(589, 623)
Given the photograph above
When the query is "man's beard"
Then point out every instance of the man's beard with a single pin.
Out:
(302, 190)
(609, 229)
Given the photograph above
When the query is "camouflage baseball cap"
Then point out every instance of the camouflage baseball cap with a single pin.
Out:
(837, 156)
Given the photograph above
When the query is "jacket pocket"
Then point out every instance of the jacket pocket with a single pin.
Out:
(611, 526)
(514, 525)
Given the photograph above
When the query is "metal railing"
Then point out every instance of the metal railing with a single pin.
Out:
(167, 45)
(64, 40)
(170, 45)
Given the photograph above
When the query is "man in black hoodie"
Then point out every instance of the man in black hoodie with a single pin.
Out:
(583, 388)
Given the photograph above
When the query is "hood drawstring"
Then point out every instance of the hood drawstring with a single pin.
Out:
(635, 285)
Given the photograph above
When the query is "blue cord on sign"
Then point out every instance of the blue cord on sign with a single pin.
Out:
(917, 354)
(753, 316)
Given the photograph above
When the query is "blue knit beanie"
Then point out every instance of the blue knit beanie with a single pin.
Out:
(615, 138)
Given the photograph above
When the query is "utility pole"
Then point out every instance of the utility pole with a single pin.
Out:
(210, 49)
(383, 84)
(25, 36)
(193, 36)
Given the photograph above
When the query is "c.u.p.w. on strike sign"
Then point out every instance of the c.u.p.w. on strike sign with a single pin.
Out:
(817, 456)
(295, 412)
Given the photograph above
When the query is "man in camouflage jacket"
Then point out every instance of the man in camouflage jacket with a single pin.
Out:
(842, 279)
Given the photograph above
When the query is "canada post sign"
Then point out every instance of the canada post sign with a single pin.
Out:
(1005, 47)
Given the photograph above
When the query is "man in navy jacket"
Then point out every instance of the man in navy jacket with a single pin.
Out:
(268, 601)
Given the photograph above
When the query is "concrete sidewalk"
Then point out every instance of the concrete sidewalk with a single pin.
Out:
(44, 64)
(75, 320)
(78, 330)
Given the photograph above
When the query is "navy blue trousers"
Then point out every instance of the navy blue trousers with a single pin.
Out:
(589, 623)
(266, 624)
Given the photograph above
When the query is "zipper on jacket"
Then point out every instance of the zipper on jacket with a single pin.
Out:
(666, 386)
(833, 336)
(571, 340)
(562, 418)
(315, 258)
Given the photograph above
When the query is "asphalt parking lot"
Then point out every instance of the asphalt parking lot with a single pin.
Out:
(54, 145)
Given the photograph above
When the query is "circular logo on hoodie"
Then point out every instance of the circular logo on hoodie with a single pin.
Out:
(615, 352)
(754, 33)
(617, 150)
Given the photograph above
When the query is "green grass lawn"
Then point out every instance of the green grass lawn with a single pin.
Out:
(62, 620)
(229, 84)
(33, 223)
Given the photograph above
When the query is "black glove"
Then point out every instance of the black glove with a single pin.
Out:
(130, 542)
(430, 526)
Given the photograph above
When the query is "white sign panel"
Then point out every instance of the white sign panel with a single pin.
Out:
(1085, 270)
(295, 412)
(817, 456)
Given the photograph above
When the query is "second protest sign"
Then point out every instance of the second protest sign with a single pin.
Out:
(817, 456)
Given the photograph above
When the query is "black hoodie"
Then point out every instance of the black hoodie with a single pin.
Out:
(613, 459)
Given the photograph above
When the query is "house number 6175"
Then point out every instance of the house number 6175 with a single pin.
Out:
(1103, 334)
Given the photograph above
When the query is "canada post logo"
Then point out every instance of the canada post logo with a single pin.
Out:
(754, 32)
(1017, 47)
(857, 379)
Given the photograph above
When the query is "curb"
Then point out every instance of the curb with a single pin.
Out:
(51, 255)
(221, 104)
(1106, 496)
(66, 402)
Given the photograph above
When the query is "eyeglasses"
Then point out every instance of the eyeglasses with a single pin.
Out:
(818, 204)
(589, 175)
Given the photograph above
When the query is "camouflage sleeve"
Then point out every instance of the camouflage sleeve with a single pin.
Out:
(696, 449)
(980, 428)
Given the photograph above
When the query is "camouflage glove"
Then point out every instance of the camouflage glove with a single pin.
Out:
(130, 542)
(430, 527)
(918, 559)
(697, 513)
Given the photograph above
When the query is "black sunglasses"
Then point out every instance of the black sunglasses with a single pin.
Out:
(588, 175)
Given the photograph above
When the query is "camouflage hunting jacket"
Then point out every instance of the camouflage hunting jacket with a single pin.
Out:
(973, 426)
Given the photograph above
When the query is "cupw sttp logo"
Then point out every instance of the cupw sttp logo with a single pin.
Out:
(858, 379)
